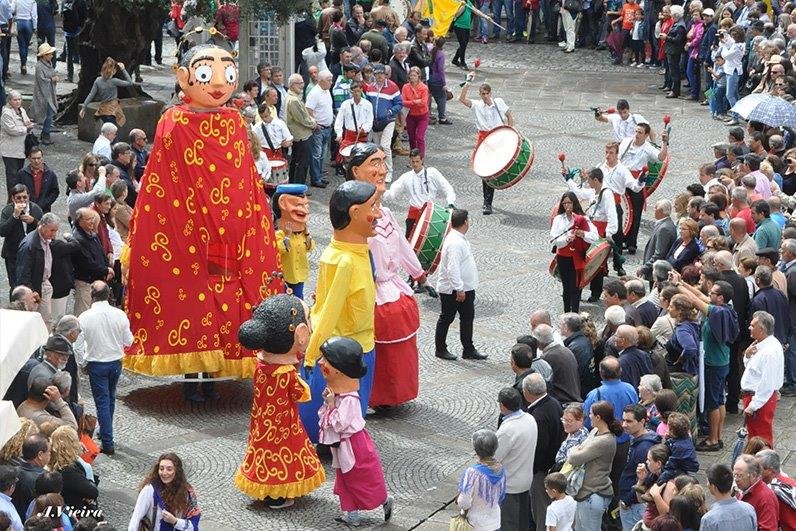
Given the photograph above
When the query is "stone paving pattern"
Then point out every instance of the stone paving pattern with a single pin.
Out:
(425, 444)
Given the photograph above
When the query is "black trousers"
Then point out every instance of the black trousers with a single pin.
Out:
(515, 512)
(72, 55)
(463, 36)
(190, 389)
(675, 72)
(637, 200)
(11, 269)
(299, 162)
(5, 48)
(489, 193)
(466, 311)
(12, 168)
(571, 293)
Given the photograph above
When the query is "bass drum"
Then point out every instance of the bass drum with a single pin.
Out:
(403, 8)
(503, 157)
(428, 234)
(596, 257)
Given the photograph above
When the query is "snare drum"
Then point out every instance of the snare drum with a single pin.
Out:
(503, 158)
(428, 234)
(279, 175)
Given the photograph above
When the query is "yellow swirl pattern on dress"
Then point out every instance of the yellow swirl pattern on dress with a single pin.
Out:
(161, 241)
(207, 129)
(190, 206)
(175, 336)
(191, 155)
(153, 297)
(240, 148)
(153, 183)
(229, 128)
(217, 195)
(179, 117)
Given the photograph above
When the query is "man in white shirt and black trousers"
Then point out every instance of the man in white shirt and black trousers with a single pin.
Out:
(421, 184)
(456, 284)
(107, 333)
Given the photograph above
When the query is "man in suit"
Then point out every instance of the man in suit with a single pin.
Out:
(740, 302)
(633, 361)
(637, 296)
(548, 412)
(663, 236)
(566, 379)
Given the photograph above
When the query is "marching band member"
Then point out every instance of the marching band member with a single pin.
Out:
(489, 113)
(572, 233)
(602, 213)
(354, 120)
(422, 184)
(618, 179)
(622, 121)
(273, 134)
(636, 152)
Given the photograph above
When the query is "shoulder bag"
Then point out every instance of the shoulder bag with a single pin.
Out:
(147, 523)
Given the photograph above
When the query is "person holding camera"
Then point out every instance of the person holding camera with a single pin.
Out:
(17, 219)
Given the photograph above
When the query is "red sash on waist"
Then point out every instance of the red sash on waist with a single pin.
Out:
(601, 227)
(274, 154)
(414, 213)
(349, 138)
(617, 198)
(480, 136)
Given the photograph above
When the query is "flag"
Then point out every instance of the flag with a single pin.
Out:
(441, 13)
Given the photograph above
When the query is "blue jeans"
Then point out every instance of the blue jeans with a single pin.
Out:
(497, 6)
(693, 73)
(319, 145)
(48, 122)
(631, 516)
(24, 34)
(732, 88)
(718, 103)
(483, 28)
(589, 513)
(103, 377)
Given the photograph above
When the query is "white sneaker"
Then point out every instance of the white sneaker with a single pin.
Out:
(633, 63)
(562, 44)
(640, 65)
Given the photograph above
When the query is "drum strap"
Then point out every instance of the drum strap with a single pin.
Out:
(498, 112)
(267, 137)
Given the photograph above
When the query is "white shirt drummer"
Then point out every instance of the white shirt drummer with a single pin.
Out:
(601, 206)
(624, 127)
(636, 157)
(277, 131)
(422, 184)
(559, 231)
(619, 179)
(487, 117)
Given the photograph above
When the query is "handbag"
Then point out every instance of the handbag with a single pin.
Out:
(573, 6)
(147, 523)
(460, 523)
(575, 480)
(380, 124)
(448, 94)
(31, 141)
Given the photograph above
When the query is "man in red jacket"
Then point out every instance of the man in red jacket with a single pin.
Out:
(755, 492)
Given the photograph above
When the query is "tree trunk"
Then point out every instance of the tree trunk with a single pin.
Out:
(114, 29)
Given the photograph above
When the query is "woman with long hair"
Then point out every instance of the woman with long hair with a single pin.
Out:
(596, 453)
(14, 127)
(437, 84)
(572, 233)
(106, 90)
(11, 451)
(80, 486)
(166, 498)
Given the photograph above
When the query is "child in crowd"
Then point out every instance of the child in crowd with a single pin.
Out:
(665, 402)
(718, 101)
(638, 37)
(682, 454)
(87, 425)
(561, 512)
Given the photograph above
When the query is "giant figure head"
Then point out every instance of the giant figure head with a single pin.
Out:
(208, 76)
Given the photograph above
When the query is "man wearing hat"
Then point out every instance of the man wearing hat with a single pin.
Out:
(56, 354)
(44, 103)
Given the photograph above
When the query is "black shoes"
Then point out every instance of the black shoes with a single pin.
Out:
(487, 210)
(444, 355)
(107, 451)
(474, 355)
(319, 185)
(631, 250)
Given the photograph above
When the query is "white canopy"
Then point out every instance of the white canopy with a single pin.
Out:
(20, 334)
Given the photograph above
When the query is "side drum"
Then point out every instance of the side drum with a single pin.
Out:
(428, 234)
(503, 158)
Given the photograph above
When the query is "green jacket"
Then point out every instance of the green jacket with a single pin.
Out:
(768, 234)
(298, 120)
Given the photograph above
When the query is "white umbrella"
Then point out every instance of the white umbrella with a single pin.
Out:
(746, 104)
(767, 109)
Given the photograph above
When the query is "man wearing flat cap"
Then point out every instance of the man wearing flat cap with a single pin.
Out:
(56, 353)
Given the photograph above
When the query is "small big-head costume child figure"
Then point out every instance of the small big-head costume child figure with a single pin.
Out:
(345, 295)
(397, 318)
(280, 462)
(291, 210)
(201, 250)
(359, 478)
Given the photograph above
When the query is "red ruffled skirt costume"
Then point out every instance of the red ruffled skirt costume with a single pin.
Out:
(202, 251)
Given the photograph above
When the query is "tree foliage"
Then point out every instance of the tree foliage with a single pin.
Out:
(282, 10)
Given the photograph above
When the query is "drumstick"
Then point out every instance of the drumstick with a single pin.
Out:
(667, 119)
(481, 14)
(562, 157)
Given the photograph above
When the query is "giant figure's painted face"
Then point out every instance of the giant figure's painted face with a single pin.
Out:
(210, 78)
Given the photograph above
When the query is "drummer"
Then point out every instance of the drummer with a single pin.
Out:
(354, 120)
(489, 113)
(422, 184)
(622, 121)
(273, 134)
(602, 213)
(635, 153)
(619, 180)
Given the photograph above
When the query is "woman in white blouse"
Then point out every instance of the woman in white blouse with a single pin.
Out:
(733, 47)
(14, 126)
(166, 499)
(572, 233)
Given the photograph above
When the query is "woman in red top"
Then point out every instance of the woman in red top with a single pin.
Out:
(415, 97)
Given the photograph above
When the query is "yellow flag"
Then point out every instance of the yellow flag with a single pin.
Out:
(441, 13)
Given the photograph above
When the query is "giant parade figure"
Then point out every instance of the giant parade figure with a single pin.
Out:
(201, 251)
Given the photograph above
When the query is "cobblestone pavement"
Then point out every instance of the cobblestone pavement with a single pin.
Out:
(425, 444)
